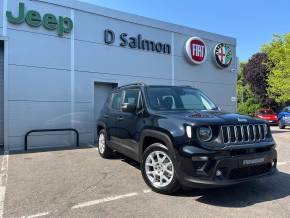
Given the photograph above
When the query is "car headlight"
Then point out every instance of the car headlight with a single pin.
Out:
(189, 131)
(205, 133)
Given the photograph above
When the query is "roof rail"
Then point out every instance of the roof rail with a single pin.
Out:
(132, 84)
(186, 86)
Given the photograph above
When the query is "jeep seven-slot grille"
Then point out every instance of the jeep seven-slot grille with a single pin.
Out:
(243, 133)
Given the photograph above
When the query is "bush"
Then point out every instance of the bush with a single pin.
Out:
(248, 108)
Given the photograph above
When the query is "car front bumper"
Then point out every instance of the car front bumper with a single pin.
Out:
(206, 169)
(285, 122)
(272, 122)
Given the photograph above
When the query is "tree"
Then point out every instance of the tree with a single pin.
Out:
(278, 52)
(256, 73)
(247, 102)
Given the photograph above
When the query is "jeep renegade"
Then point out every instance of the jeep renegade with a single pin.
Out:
(182, 139)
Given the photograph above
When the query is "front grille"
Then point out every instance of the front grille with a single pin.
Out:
(245, 172)
(234, 134)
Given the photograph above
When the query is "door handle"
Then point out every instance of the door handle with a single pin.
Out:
(120, 118)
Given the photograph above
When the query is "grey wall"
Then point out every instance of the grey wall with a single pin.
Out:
(48, 85)
(1, 93)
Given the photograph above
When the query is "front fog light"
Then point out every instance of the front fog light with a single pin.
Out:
(219, 173)
(188, 131)
(205, 133)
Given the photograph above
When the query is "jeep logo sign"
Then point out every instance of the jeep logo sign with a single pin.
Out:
(196, 50)
(33, 18)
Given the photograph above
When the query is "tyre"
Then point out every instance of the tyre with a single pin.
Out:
(158, 169)
(281, 126)
(104, 150)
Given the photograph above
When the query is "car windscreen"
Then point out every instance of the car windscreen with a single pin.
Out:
(287, 109)
(267, 111)
(178, 98)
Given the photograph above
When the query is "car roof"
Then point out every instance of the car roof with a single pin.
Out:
(137, 85)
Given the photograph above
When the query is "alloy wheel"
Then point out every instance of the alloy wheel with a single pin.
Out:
(102, 143)
(159, 169)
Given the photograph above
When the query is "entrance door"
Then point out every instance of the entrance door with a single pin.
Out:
(1, 93)
(102, 92)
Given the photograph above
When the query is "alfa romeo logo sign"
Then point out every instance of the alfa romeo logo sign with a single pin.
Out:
(223, 55)
(196, 50)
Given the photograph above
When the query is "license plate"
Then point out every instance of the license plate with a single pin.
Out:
(253, 161)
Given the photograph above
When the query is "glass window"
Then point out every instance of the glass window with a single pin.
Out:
(116, 101)
(131, 96)
(265, 111)
(287, 109)
(178, 98)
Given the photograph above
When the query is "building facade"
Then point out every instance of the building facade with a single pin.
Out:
(59, 61)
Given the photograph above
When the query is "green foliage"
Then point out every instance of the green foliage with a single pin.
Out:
(249, 107)
(247, 102)
(278, 52)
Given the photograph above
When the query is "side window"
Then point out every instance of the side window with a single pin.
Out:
(131, 96)
(116, 101)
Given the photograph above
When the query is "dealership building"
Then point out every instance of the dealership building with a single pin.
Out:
(59, 60)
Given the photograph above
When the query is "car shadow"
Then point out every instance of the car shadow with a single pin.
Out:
(236, 196)
(129, 161)
(279, 131)
(243, 194)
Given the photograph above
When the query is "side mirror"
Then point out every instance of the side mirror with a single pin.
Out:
(129, 108)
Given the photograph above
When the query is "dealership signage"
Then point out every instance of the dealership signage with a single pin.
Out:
(223, 55)
(63, 25)
(196, 50)
(136, 42)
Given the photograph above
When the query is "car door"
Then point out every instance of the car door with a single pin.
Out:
(128, 124)
(112, 118)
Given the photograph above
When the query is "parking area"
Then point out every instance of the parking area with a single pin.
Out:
(78, 183)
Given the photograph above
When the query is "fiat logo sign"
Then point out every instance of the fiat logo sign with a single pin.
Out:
(196, 50)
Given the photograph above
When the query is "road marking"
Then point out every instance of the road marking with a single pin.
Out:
(283, 163)
(147, 191)
(94, 202)
(3, 180)
(37, 215)
(104, 200)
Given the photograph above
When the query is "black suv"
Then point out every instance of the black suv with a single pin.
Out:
(181, 138)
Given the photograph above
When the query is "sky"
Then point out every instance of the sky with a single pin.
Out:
(251, 22)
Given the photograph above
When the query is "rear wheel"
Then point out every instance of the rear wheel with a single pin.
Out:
(158, 169)
(281, 126)
(104, 150)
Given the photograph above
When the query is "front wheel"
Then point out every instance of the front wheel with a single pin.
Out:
(158, 169)
(281, 126)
